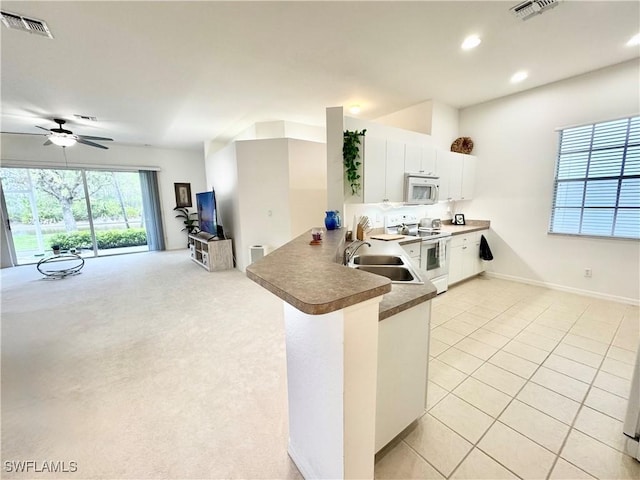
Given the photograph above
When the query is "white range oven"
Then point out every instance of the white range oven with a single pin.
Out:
(434, 248)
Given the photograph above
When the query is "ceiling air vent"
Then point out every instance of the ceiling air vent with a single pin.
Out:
(31, 25)
(88, 118)
(530, 8)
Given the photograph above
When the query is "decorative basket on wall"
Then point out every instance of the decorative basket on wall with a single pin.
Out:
(462, 145)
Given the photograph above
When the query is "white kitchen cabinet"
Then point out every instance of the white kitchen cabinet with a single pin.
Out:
(464, 255)
(420, 159)
(469, 163)
(403, 356)
(383, 170)
(446, 168)
(457, 174)
(394, 173)
(413, 250)
(374, 160)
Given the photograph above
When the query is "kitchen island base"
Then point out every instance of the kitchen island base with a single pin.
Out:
(403, 357)
(331, 378)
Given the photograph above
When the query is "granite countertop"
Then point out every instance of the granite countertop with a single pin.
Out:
(309, 277)
(471, 226)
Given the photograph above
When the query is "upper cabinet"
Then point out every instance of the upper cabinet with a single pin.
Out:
(374, 161)
(468, 176)
(420, 159)
(386, 161)
(383, 170)
(457, 174)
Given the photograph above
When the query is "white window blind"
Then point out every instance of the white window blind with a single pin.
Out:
(597, 184)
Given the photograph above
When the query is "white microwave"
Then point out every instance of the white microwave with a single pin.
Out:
(420, 189)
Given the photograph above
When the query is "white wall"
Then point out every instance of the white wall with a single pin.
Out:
(222, 174)
(268, 191)
(444, 125)
(263, 196)
(175, 166)
(416, 118)
(307, 185)
(516, 142)
(335, 166)
(432, 117)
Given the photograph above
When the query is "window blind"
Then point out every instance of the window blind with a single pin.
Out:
(597, 181)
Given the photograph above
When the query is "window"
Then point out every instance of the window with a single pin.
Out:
(93, 212)
(597, 184)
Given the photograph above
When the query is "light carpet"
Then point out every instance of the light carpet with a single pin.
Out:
(144, 366)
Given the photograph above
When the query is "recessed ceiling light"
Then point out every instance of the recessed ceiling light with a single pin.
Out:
(519, 76)
(472, 41)
(355, 109)
(635, 40)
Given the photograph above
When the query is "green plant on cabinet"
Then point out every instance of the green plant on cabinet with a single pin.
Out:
(350, 155)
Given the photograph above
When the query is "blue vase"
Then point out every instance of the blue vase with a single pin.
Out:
(331, 220)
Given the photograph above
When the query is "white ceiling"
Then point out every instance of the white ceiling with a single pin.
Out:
(175, 74)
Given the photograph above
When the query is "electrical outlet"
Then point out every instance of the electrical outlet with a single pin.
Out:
(587, 272)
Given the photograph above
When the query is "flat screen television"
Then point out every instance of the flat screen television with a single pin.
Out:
(207, 219)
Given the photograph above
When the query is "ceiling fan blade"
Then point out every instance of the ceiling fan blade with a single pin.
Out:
(91, 144)
(48, 142)
(23, 133)
(42, 128)
(89, 137)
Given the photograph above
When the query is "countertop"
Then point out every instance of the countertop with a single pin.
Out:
(309, 277)
(447, 226)
(471, 226)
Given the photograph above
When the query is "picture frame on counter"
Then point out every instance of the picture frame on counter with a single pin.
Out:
(458, 219)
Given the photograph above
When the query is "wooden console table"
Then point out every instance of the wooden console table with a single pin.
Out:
(212, 255)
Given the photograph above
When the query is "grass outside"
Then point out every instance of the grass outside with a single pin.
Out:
(27, 248)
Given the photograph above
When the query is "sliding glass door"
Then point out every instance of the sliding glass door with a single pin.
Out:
(115, 200)
(84, 211)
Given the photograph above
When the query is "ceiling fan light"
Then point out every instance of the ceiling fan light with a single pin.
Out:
(62, 140)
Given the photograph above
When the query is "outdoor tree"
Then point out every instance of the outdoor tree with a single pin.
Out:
(66, 186)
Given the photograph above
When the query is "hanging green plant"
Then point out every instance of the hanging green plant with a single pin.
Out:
(350, 155)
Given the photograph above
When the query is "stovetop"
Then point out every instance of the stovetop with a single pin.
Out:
(393, 224)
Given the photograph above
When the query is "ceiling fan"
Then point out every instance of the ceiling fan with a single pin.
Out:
(65, 138)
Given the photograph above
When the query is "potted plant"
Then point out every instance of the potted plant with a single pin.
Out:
(350, 155)
(190, 220)
(56, 249)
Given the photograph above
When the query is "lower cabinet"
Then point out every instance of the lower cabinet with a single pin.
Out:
(413, 250)
(403, 356)
(464, 257)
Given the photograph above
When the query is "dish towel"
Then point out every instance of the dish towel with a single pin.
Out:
(485, 251)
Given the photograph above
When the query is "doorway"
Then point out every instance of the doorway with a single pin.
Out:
(88, 212)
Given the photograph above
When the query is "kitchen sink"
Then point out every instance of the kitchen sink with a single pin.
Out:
(394, 273)
(378, 260)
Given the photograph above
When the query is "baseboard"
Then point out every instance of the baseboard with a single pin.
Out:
(562, 288)
(305, 469)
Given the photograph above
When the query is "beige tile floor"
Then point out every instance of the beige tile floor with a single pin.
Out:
(524, 382)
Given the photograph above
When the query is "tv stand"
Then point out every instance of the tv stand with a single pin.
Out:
(212, 255)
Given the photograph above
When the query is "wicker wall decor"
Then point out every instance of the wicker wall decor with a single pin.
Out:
(462, 145)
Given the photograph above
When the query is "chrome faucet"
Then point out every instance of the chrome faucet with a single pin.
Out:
(351, 250)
